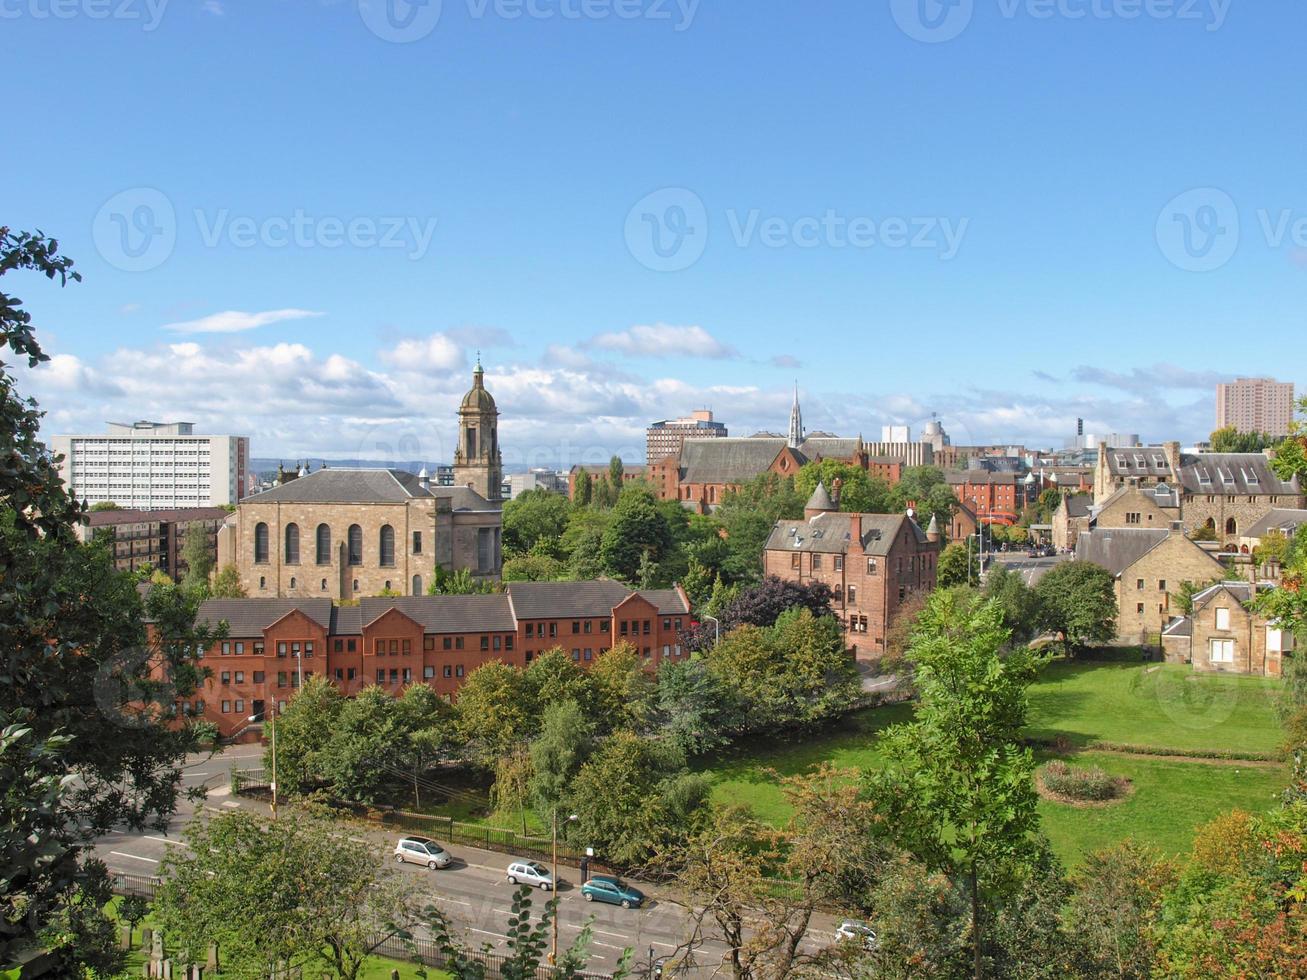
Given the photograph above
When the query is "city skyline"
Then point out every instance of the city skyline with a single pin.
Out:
(878, 229)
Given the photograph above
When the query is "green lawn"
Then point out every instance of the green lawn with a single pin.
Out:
(1116, 701)
(1165, 705)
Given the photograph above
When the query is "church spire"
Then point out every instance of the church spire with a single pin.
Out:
(796, 421)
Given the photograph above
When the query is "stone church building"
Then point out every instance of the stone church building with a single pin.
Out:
(345, 534)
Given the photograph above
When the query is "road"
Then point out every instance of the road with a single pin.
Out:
(1031, 569)
(473, 892)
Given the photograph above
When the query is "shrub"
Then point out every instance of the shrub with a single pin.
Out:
(1092, 784)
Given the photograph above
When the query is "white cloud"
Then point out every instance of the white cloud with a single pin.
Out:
(663, 340)
(236, 321)
(214, 7)
(434, 353)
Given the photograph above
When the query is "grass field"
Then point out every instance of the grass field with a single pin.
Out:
(1115, 701)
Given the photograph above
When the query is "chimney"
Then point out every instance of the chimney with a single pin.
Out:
(1173, 458)
(836, 485)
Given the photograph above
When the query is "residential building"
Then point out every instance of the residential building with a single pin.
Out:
(873, 563)
(963, 523)
(1148, 565)
(1133, 506)
(272, 645)
(995, 498)
(1255, 405)
(140, 539)
(1070, 520)
(153, 466)
(1223, 635)
(1222, 492)
(663, 439)
(1279, 519)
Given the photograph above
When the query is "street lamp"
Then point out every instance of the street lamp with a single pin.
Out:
(251, 720)
(717, 625)
(553, 955)
(655, 964)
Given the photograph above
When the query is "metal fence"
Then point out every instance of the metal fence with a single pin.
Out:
(143, 885)
(249, 781)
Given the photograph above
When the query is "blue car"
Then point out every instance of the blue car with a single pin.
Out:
(614, 891)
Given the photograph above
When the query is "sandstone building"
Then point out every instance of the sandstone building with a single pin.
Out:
(1223, 635)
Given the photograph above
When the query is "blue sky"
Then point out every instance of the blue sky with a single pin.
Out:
(1010, 212)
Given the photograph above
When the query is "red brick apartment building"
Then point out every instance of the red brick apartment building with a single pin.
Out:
(873, 563)
(994, 498)
(433, 640)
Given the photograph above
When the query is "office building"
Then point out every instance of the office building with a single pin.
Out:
(663, 439)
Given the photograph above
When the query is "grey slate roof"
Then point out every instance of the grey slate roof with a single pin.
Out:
(1278, 519)
(1116, 549)
(1180, 626)
(582, 600)
(250, 617)
(1163, 495)
(1205, 473)
(445, 613)
(727, 460)
(122, 515)
(828, 447)
(667, 600)
(963, 477)
(365, 486)
(832, 533)
(1242, 592)
(1078, 505)
(820, 499)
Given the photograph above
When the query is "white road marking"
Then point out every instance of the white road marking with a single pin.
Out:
(456, 901)
(497, 935)
(166, 840)
(596, 942)
(231, 805)
(615, 935)
(134, 857)
(654, 942)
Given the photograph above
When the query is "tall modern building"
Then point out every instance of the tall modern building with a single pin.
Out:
(154, 466)
(1255, 405)
(663, 439)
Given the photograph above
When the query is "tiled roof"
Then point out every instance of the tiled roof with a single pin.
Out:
(963, 477)
(832, 533)
(727, 460)
(1241, 591)
(365, 486)
(831, 447)
(250, 617)
(582, 600)
(1116, 549)
(1278, 519)
(1078, 505)
(445, 613)
(1232, 473)
(667, 601)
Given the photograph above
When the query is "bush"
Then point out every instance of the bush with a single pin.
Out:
(1092, 784)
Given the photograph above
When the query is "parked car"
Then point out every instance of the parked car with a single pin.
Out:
(421, 850)
(614, 891)
(858, 932)
(530, 873)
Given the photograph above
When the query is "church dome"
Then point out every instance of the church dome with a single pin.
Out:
(477, 400)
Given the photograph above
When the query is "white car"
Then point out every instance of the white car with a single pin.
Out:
(530, 873)
(858, 932)
(421, 850)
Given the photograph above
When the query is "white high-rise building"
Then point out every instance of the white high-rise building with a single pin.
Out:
(1255, 405)
(154, 465)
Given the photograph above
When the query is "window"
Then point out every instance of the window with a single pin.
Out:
(530, 631)
(1231, 526)
(340, 674)
(1161, 585)
(1222, 651)
(816, 562)
(794, 560)
(281, 648)
(417, 542)
(458, 643)
(449, 671)
(458, 671)
(589, 626)
(355, 548)
(226, 648)
(386, 545)
(428, 673)
(394, 647)
(576, 654)
(240, 677)
(1222, 619)
(646, 627)
(226, 707)
(294, 649)
(240, 706)
(323, 545)
(447, 643)
(281, 678)
(1132, 518)
(356, 585)
(349, 645)
(576, 626)
(350, 673)
(553, 630)
(340, 646)
(261, 544)
(839, 563)
(240, 647)
(1139, 584)
(292, 581)
(292, 544)
(871, 566)
(408, 675)
(853, 594)
(497, 644)
(417, 584)
(508, 642)
(1139, 608)
(381, 675)
(226, 676)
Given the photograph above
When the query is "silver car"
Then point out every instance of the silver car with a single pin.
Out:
(421, 850)
(530, 873)
(859, 932)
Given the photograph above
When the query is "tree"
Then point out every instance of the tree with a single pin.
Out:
(920, 920)
(692, 708)
(512, 786)
(494, 710)
(533, 568)
(102, 505)
(295, 889)
(565, 742)
(954, 567)
(533, 515)
(304, 729)
(582, 541)
(759, 605)
(86, 690)
(1231, 440)
(554, 676)
(198, 559)
(638, 528)
(1274, 546)
(615, 473)
(622, 691)
(458, 582)
(361, 755)
(1113, 910)
(1078, 600)
(958, 787)
(132, 909)
(747, 516)
(584, 489)
(859, 492)
(634, 799)
(1017, 600)
(927, 488)
(227, 584)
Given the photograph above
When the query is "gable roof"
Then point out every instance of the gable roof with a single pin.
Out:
(1116, 549)
(1077, 505)
(828, 447)
(445, 613)
(1232, 473)
(1277, 519)
(250, 617)
(176, 515)
(731, 460)
(832, 533)
(366, 486)
(1241, 592)
(554, 600)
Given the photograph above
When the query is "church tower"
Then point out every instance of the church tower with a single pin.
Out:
(796, 422)
(477, 463)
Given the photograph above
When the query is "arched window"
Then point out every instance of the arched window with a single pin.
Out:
(1211, 523)
(324, 585)
(261, 543)
(387, 585)
(355, 545)
(292, 544)
(263, 581)
(387, 545)
(1231, 526)
(292, 581)
(356, 585)
(417, 584)
(324, 544)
